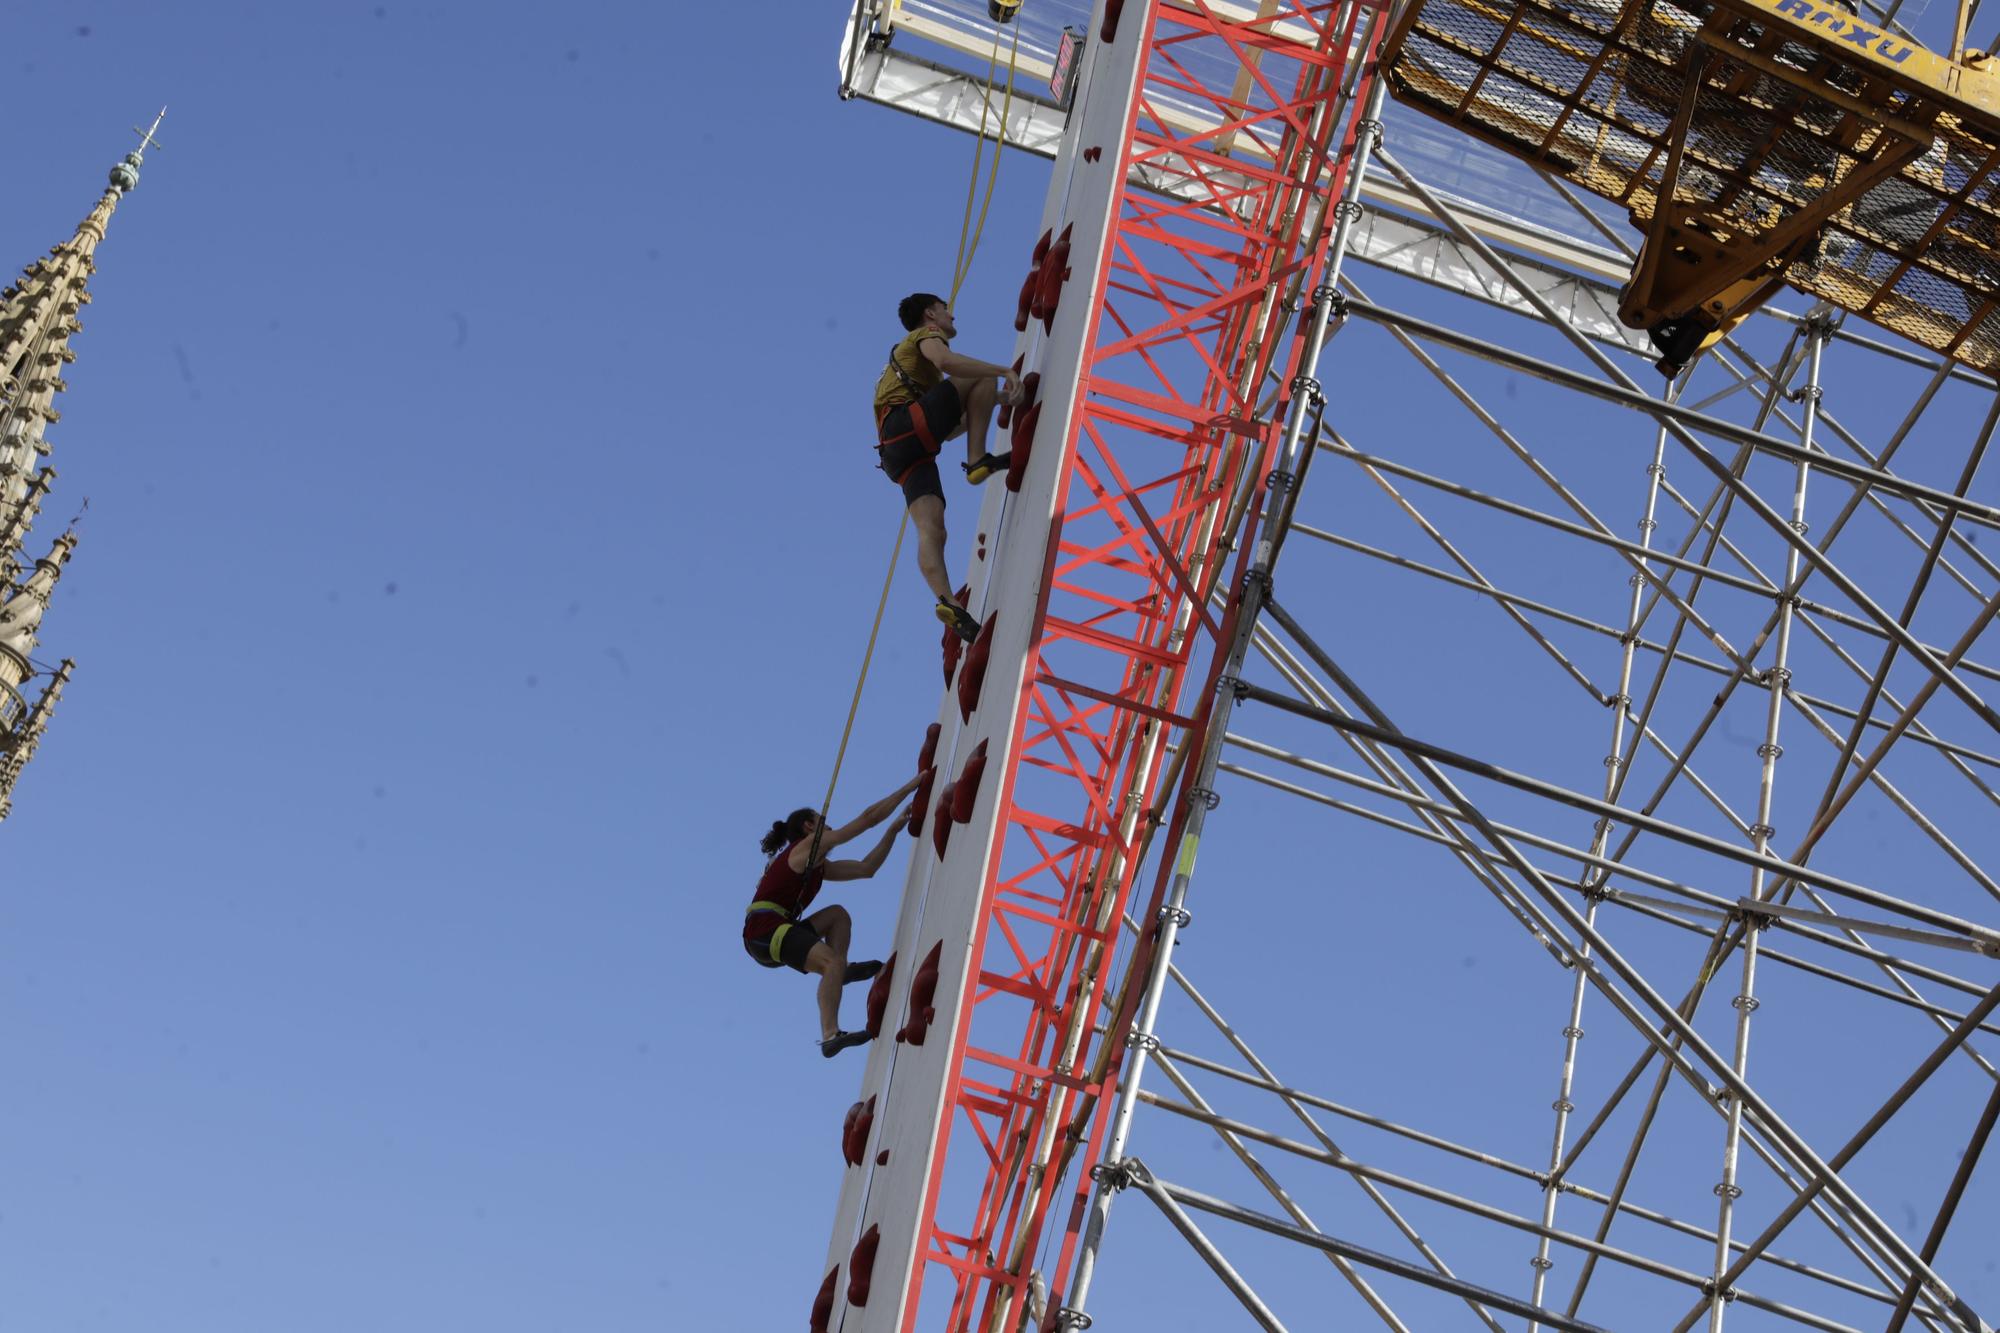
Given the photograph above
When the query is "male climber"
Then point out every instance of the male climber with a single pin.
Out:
(926, 395)
(776, 934)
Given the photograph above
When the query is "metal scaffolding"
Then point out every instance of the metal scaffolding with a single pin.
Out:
(1781, 681)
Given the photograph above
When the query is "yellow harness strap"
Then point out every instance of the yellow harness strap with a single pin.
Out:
(777, 941)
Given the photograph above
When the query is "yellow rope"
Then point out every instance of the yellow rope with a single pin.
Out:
(854, 705)
(961, 267)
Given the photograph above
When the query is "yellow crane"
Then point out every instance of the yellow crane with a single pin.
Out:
(1757, 143)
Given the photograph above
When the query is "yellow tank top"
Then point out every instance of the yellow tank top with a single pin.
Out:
(909, 374)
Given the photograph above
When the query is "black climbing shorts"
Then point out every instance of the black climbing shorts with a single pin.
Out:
(787, 946)
(911, 435)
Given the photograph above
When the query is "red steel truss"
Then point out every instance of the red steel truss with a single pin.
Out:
(1239, 125)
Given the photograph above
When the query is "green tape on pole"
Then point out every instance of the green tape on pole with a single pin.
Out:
(1185, 866)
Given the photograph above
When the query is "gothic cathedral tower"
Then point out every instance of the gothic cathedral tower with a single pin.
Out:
(38, 315)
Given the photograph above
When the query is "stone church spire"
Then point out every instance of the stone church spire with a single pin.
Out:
(38, 316)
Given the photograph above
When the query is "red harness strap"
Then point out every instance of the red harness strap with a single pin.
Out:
(920, 430)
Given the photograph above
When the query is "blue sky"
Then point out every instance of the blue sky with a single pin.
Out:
(481, 542)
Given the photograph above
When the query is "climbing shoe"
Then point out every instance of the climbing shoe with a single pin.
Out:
(840, 1041)
(985, 466)
(860, 971)
(960, 619)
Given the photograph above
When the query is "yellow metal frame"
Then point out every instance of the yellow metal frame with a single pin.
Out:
(1795, 143)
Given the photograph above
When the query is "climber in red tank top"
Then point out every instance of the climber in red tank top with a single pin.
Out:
(776, 931)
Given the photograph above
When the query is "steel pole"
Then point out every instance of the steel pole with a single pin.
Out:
(1614, 771)
(1745, 1003)
(1966, 1162)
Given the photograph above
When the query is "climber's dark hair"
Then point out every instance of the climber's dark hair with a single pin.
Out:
(784, 832)
(910, 310)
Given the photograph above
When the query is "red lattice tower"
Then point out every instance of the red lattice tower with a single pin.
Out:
(1189, 215)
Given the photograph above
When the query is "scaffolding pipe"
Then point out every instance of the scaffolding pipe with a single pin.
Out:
(1721, 428)
(1727, 1191)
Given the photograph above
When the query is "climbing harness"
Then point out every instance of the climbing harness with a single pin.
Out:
(775, 945)
(901, 374)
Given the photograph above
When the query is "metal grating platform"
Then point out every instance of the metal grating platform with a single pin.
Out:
(1812, 145)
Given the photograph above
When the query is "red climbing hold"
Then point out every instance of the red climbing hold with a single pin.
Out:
(882, 1158)
(941, 821)
(953, 645)
(923, 992)
(823, 1303)
(915, 824)
(1007, 409)
(1049, 280)
(1024, 305)
(1031, 389)
(1023, 446)
(1022, 435)
(965, 791)
(878, 995)
(1021, 438)
(974, 674)
(1092, 153)
(861, 1266)
(926, 773)
(1109, 32)
(854, 1131)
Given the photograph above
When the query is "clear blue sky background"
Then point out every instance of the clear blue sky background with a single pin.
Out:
(481, 540)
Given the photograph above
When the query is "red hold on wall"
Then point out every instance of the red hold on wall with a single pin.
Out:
(926, 775)
(1031, 390)
(1022, 435)
(941, 821)
(1024, 305)
(822, 1313)
(1024, 446)
(965, 791)
(953, 645)
(1007, 409)
(861, 1266)
(974, 675)
(854, 1131)
(923, 992)
(878, 995)
(1049, 280)
(915, 824)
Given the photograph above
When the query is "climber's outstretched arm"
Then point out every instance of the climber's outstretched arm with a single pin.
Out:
(870, 863)
(854, 828)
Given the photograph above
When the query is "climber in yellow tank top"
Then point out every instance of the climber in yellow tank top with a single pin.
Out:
(926, 395)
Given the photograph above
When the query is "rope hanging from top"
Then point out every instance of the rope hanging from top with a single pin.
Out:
(961, 267)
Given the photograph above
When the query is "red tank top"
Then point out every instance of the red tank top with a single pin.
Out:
(785, 888)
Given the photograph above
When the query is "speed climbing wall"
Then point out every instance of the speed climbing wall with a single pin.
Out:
(1185, 222)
